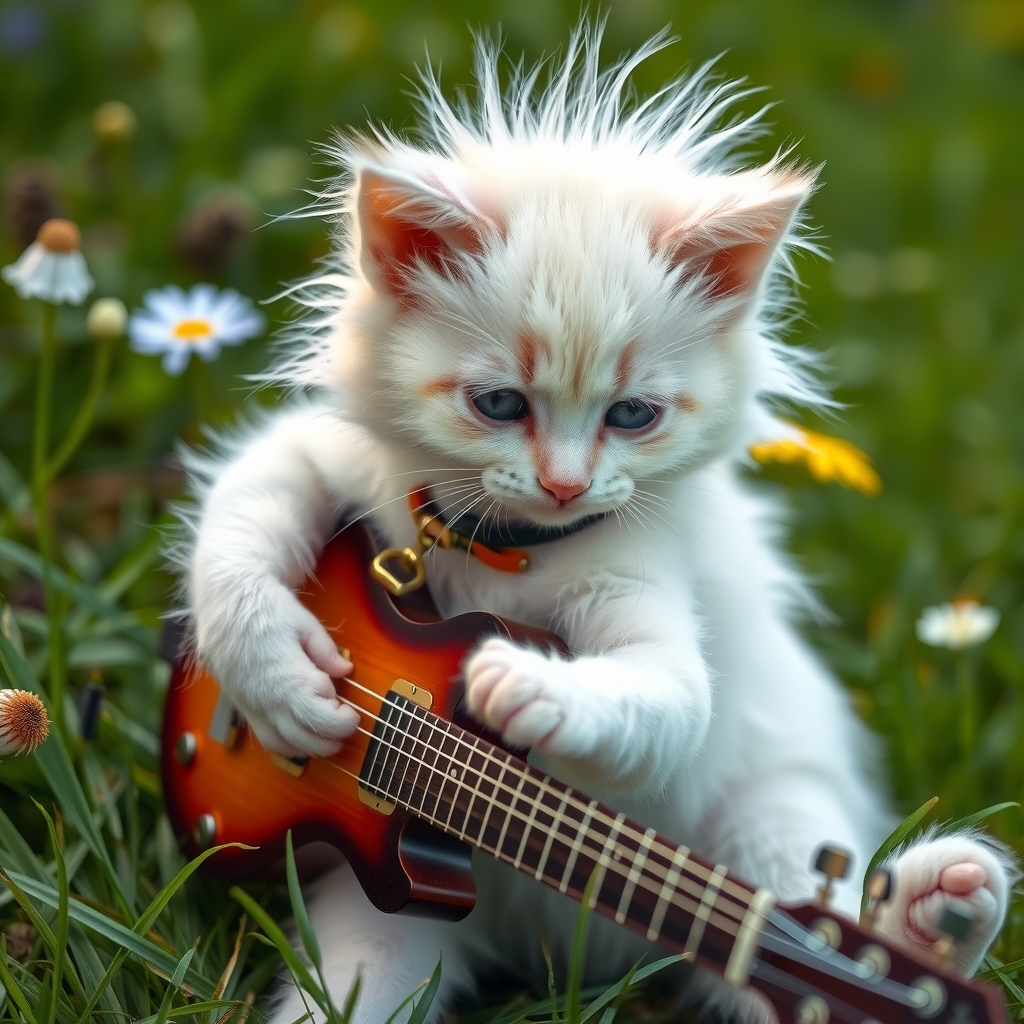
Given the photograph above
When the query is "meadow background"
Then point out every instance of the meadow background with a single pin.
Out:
(913, 108)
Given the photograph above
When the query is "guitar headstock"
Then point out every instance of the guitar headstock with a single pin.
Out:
(856, 976)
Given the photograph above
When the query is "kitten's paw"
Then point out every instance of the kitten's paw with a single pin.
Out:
(280, 674)
(934, 873)
(529, 699)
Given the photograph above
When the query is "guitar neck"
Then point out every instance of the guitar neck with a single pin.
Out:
(485, 796)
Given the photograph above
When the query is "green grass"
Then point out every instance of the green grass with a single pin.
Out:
(913, 109)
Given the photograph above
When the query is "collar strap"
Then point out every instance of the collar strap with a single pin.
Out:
(497, 546)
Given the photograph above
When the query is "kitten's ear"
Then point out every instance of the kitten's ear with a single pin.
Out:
(402, 220)
(733, 243)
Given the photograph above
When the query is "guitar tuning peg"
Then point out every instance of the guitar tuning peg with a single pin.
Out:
(878, 889)
(834, 863)
(954, 926)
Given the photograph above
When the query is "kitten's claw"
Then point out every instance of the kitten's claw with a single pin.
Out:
(931, 875)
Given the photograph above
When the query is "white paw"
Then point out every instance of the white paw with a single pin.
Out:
(934, 873)
(278, 667)
(530, 699)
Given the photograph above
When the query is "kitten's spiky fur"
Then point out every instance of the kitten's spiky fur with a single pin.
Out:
(603, 274)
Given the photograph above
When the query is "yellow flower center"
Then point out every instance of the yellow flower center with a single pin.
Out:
(189, 330)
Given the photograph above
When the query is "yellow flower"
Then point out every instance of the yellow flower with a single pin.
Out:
(827, 459)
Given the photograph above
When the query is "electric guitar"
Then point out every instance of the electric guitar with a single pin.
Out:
(419, 784)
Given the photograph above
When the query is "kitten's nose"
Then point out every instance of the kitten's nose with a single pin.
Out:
(562, 490)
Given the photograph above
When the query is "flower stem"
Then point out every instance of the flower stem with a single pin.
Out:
(200, 381)
(100, 365)
(965, 693)
(40, 443)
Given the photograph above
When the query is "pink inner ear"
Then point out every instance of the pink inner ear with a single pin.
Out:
(397, 233)
(732, 247)
(737, 267)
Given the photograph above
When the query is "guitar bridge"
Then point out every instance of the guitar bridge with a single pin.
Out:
(401, 694)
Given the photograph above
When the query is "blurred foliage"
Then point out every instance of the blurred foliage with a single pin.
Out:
(912, 107)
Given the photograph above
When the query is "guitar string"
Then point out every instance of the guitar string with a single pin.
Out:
(700, 875)
(715, 916)
(595, 850)
(662, 848)
(680, 900)
(696, 888)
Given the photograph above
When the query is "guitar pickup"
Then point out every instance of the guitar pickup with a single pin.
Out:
(226, 723)
(293, 766)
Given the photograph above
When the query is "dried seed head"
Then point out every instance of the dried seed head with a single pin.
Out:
(31, 200)
(24, 723)
(212, 234)
(21, 937)
(59, 235)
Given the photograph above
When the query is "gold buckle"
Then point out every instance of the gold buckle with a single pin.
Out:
(432, 531)
(411, 563)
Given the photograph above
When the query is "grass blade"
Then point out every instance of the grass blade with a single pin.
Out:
(144, 949)
(14, 990)
(148, 919)
(978, 816)
(60, 947)
(419, 1011)
(898, 834)
(306, 933)
(273, 931)
(577, 958)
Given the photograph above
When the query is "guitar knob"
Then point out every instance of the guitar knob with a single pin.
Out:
(834, 863)
(205, 831)
(954, 926)
(877, 891)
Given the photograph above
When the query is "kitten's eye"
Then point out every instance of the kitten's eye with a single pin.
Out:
(630, 415)
(502, 405)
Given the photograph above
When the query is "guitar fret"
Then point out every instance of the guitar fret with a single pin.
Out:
(707, 903)
(604, 860)
(577, 843)
(492, 803)
(376, 773)
(500, 848)
(464, 780)
(634, 875)
(442, 773)
(417, 756)
(552, 832)
(530, 820)
(679, 861)
(399, 752)
(475, 789)
(431, 770)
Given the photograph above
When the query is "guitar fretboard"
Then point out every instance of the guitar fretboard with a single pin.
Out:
(487, 797)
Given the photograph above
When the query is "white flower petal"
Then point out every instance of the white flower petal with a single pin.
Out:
(71, 279)
(202, 300)
(169, 304)
(208, 351)
(52, 276)
(957, 626)
(176, 359)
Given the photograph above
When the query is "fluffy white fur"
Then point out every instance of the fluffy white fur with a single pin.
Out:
(581, 249)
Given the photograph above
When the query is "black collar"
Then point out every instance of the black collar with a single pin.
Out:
(509, 533)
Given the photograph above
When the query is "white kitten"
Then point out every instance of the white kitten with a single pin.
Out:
(563, 306)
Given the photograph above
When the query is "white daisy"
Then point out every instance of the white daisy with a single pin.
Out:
(52, 268)
(958, 625)
(176, 323)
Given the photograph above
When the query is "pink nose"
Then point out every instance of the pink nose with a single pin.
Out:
(561, 490)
